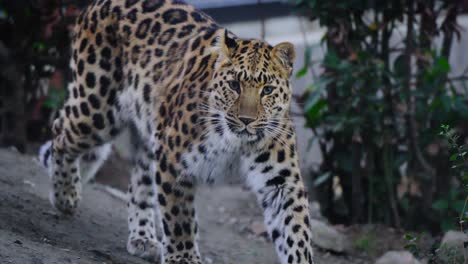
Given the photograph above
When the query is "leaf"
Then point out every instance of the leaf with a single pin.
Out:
(39, 46)
(440, 205)
(49, 104)
(3, 13)
(399, 67)
(313, 113)
(307, 55)
(55, 98)
(331, 60)
(442, 64)
(447, 225)
(454, 157)
(344, 162)
(373, 26)
(322, 178)
(302, 72)
(411, 247)
(315, 105)
(458, 205)
(446, 102)
(28, 12)
(465, 177)
(312, 142)
(297, 2)
(313, 98)
(312, 4)
(453, 194)
(461, 105)
(408, 237)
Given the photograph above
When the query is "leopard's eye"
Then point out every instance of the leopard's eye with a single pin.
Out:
(267, 90)
(235, 86)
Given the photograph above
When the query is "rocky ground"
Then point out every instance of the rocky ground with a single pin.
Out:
(230, 225)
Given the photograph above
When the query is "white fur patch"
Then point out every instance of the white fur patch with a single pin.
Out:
(45, 153)
(88, 169)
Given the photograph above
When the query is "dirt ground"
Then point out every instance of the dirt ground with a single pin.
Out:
(32, 232)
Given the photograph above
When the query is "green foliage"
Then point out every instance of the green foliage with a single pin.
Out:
(376, 109)
(412, 245)
(364, 243)
(455, 204)
(35, 42)
(55, 98)
(451, 255)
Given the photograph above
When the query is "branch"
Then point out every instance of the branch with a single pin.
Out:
(410, 100)
(262, 23)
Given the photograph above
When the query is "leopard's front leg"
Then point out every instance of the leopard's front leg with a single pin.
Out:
(275, 178)
(176, 203)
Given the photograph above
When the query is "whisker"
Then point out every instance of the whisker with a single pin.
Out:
(276, 127)
(284, 131)
(280, 131)
(276, 136)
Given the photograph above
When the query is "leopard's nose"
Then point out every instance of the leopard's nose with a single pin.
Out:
(246, 120)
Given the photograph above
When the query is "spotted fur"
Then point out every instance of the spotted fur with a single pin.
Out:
(205, 105)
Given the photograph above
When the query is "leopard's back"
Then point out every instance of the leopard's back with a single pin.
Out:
(133, 57)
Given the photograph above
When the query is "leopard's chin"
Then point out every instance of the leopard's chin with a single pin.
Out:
(249, 137)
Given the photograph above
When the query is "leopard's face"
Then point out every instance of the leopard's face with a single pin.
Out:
(251, 92)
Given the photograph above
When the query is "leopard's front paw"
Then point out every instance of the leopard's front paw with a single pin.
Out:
(184, 259)
(65, 199)
(144, 248)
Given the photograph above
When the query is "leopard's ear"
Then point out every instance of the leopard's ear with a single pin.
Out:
(230, 40)
(225, 44)
(284, 54)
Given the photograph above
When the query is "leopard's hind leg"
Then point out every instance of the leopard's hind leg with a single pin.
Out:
(90, 116)
(89, 162)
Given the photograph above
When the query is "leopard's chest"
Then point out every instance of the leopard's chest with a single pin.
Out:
(214, 161)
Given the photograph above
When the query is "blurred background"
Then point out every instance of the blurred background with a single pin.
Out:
(380, 105)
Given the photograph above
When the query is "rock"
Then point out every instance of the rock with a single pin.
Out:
(454, 239)
(233, 220)
(451, 248)
(314, 211)
(400, 257)
(258, 228)
(327, 237)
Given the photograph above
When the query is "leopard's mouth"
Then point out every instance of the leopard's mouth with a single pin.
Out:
(248, 135)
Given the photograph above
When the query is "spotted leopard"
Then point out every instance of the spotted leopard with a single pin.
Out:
(205, 105)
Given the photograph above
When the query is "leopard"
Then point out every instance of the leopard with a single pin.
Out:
(204, 106)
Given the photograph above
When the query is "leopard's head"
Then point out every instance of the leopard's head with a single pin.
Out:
(250, 90)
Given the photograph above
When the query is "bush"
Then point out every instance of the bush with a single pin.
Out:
(377, 106)
(34, 45)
